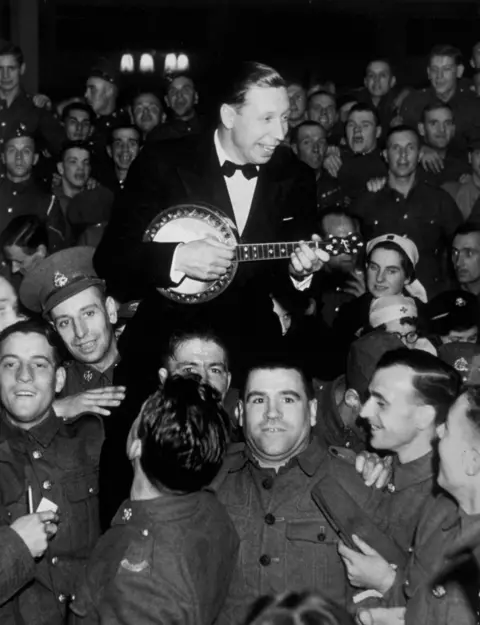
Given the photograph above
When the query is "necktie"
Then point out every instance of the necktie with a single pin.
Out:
(249, 170)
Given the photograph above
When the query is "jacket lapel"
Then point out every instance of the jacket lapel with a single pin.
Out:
(203, 179)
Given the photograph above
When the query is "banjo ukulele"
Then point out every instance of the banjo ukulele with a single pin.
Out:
(184, 223)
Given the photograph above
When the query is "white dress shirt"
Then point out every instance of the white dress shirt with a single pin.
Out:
(241, 192)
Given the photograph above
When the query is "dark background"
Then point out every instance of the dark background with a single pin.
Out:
(333, 38)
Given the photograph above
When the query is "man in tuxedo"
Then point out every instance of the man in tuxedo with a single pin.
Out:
(240, 168)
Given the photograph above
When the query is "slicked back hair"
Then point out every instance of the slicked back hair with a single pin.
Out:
(246, 76)
(10, 49)
(297, 608)
(446, 50)
(184, 433)
(436, 383)
(36, 326)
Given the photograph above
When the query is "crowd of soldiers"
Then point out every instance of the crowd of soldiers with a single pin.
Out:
(303, 447)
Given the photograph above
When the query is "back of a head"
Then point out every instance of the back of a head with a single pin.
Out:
(184, 433)
(25, 231)
(297, 609)
(245, 76)
(437, 384)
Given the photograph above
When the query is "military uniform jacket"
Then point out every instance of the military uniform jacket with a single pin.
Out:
(22, 198)
(59, 460)
(165, 560)
(466, 113)
(437, 590)
(39, 122)
(286, 543)
(81, 377)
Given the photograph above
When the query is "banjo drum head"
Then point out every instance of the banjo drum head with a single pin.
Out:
(184, 223)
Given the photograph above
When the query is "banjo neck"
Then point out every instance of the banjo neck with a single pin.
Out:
(270, 251)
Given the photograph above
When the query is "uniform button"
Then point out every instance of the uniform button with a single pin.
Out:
(337, 308)
(267, 483)
(391, 488)
(376, 222)
(14, 193)
(9, 210)
(265, 560)
(410, 550)
(4, 124)
(62, 598)
(91, 490)
(145, 532)
(37, 454)
(405, 216)
(47, 485)
(322, 535)
(269, 519)
(347, 444)
(54, 560)
(439, 592)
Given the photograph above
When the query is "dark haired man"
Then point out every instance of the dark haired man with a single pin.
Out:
(440, 582)
(19, 193)
(297, 95)
(309, 142)
(407, 206)
(444, 70)
(81, 207)
(148, 113)
(360, 160)
(47, 465)
(123, 147)
(181, 99)
(78, 119)
(466, 257)
(237, 169)
(322, 108)
(379, 91)
(17, 107)
(437, 129)
(171, 550)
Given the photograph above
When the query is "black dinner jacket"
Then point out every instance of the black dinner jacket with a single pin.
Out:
(188, 170)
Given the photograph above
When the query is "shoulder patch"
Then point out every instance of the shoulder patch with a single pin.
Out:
(134, 567)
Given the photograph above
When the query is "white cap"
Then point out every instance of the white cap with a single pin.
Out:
(415, 288)
(391, 308)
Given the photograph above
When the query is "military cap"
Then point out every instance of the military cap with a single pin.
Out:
(364, 355)
(57, 278)
(106, 69)
(18, 132)
(465, 358)
(452, 310)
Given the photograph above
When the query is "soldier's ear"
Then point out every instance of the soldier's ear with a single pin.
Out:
(227, 115)
(460, 70)
(421, 129)
(23, 68)
(134, 450)
(294, 148)
(111, 309)
(378, 132)
(352, 399)
(425, 417)
(393, 82)
(162, 375)
(239, 412)
(312, 406)
(60, 168)
(471, 462)
(35, 159)
(195, 99)
(3, 158)
(60, 377)
(109, 151)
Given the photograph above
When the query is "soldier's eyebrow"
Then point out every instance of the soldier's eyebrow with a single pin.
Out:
(379, 396)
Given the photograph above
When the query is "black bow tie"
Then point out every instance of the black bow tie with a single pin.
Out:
(249, 170)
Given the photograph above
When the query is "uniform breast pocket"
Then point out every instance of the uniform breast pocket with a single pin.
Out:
(312, 557)
(81, 510)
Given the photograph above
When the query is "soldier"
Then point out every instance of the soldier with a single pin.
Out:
(445, 68)
(440, 583)
(66, 290)
(124, 144)
(171, 550)
(19, 194)
(47, 465)
(148, 113)
(17, 107)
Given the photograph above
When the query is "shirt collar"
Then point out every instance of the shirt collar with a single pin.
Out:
(414, 472)
(221, 154)
(44, 433)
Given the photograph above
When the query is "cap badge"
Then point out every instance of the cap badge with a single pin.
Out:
(59, 279)
(88, 376)
(127, 514)
(403, 309)
(460, 301)
(461, 364)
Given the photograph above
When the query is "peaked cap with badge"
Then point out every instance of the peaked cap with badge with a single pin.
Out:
(464, 358)
(57, 278)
